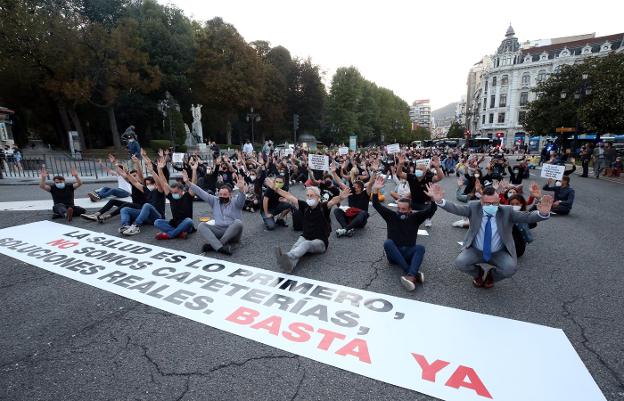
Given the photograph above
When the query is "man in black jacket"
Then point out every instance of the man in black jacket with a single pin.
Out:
(401, 247)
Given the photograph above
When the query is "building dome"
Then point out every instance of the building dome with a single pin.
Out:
(510, 31)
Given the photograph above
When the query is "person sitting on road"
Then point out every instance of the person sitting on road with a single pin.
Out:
(400, 245)
(181, 204)
(316, 224)
(418, 181)
(356, 215)
(123, 187)
(227, 214)
(489, 238)
(62, 194)
(274, 209)
(564, 195)
(521, 231)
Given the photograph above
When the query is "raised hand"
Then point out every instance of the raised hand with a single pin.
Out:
(240, 182)
(111, 158)
(185, 176)
(161, 163)
(193, 164)
(435, 192)
(345, 193)
(269, 183)
(545, 205)
(43, 172)
(74, 172)
(435, 161)
(379, 183)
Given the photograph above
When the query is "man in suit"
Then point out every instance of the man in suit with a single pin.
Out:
(489, 238)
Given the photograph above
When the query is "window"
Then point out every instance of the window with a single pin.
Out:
(483, 119)
(504, 80)
(484, 103)
(491, 118)
(501, 117)
(524, 98)
(502, 101)
(486, 86)
(526, 79)
(492, 101)
(493, 82)
(541, 75)
(522, 117)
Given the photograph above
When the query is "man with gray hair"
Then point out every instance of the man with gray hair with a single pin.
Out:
(227, 214)
(316, 224)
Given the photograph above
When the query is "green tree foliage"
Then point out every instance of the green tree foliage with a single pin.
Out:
(456, 130)
(600, 110)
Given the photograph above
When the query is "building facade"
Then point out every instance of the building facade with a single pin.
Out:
(474, 93)
(420, 114)
(499, 101)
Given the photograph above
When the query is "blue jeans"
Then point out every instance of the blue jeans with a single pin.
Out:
(269, 222)
(105, 192)
(408, 257)
(147, 213)
(164, 226)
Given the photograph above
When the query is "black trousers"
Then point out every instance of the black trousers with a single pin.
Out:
(60, 209)
(358, 221)
(119, 203)
(585, 164)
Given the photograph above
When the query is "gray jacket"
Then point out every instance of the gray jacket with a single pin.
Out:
(505, 219)
(226, 214)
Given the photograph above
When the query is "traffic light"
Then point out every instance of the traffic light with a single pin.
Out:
(295, 122)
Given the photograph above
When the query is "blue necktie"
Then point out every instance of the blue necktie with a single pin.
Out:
(487, 240)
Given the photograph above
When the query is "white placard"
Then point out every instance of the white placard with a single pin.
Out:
(343, 150)
(426, 162)
(393, 148)
(552, 171)
(319, 162)
(360, 331)
(177, 158)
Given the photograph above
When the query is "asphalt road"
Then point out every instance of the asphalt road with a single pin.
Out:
(63, 340)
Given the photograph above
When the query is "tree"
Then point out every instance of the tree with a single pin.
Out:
(421, 134)
(343, 102)
(456, 130)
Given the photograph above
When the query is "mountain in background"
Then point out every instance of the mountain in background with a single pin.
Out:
(444, 116)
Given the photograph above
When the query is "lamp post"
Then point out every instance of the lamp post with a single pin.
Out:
(253, 117)
(584, 89)
(165, 106)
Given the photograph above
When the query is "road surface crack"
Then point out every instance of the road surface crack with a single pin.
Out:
(375, 271)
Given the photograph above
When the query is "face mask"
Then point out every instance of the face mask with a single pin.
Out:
(282, 173)
(402, 216)
(279, 185)
(419, 173)
(252, 178)
(433, 170)
(490, 209)
(311, 202)
(176, 196)
(130, 140)
(510, 194)
(59, 185)
(223, 199)
(558, 183)
(328, 182)
(517, 208)
(151, 187)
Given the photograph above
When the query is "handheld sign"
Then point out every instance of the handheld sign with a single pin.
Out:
(319, 162)
(552, 171)
(394, 148)
(343, 150)
(426, 162)
(177, 157)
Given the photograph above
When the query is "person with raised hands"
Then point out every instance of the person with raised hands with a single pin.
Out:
(356, 215)
(489, 238)
(316, 224)
(400, 246)
(62, 194)
(418, 182)
(181, 205)
(227, 213)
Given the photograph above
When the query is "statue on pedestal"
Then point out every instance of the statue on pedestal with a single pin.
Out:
(197, 125)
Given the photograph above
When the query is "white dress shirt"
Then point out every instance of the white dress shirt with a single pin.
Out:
(497, 241)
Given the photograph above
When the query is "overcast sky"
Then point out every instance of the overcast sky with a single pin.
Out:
(418, 49)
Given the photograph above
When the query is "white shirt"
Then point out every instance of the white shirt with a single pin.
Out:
(247, 148)
(497, 241)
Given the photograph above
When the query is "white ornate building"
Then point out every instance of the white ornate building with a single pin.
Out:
(498, 102)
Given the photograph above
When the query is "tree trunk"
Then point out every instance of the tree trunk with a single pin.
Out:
(76, 120)
(64, 119)
(228, 132)
(113, 126)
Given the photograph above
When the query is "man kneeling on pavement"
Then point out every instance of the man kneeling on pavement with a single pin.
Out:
(489, 238)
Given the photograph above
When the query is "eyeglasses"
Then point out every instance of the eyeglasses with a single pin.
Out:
(490, 203)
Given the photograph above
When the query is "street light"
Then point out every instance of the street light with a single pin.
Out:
(253, 117)
(165, 106)
(584, 89)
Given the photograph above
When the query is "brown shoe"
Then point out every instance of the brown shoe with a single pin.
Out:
(70, 214)
(409, 282)
(478, 281)
(489, 280)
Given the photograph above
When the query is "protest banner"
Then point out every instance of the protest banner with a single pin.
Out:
(319, 162)
(404, 342)
(177, 157)
(426, 162)
(343, 150)
(552, 171)
(393, 148)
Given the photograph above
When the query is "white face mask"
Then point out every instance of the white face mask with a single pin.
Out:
(558, 183)
(516, 207)
(151, 187)
(252, 178)
(311, 202)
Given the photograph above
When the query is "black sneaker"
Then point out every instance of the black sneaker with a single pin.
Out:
(281, 222)
(226, 250)
(207, 248)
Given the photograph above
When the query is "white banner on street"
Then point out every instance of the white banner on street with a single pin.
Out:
(426, 162)
(447, 353)
(393, 148)
(177, 157)
(319, 162)
(552, 171)
(343, 150)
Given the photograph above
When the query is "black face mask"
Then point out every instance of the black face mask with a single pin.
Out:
(403, 216)
(328, 183)
(223, 199)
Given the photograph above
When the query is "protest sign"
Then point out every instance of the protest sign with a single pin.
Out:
(319, 162)
(393, 148)
(426, 162)
(177, 157)
(343, 150)
(552, 171)
(359, 331)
